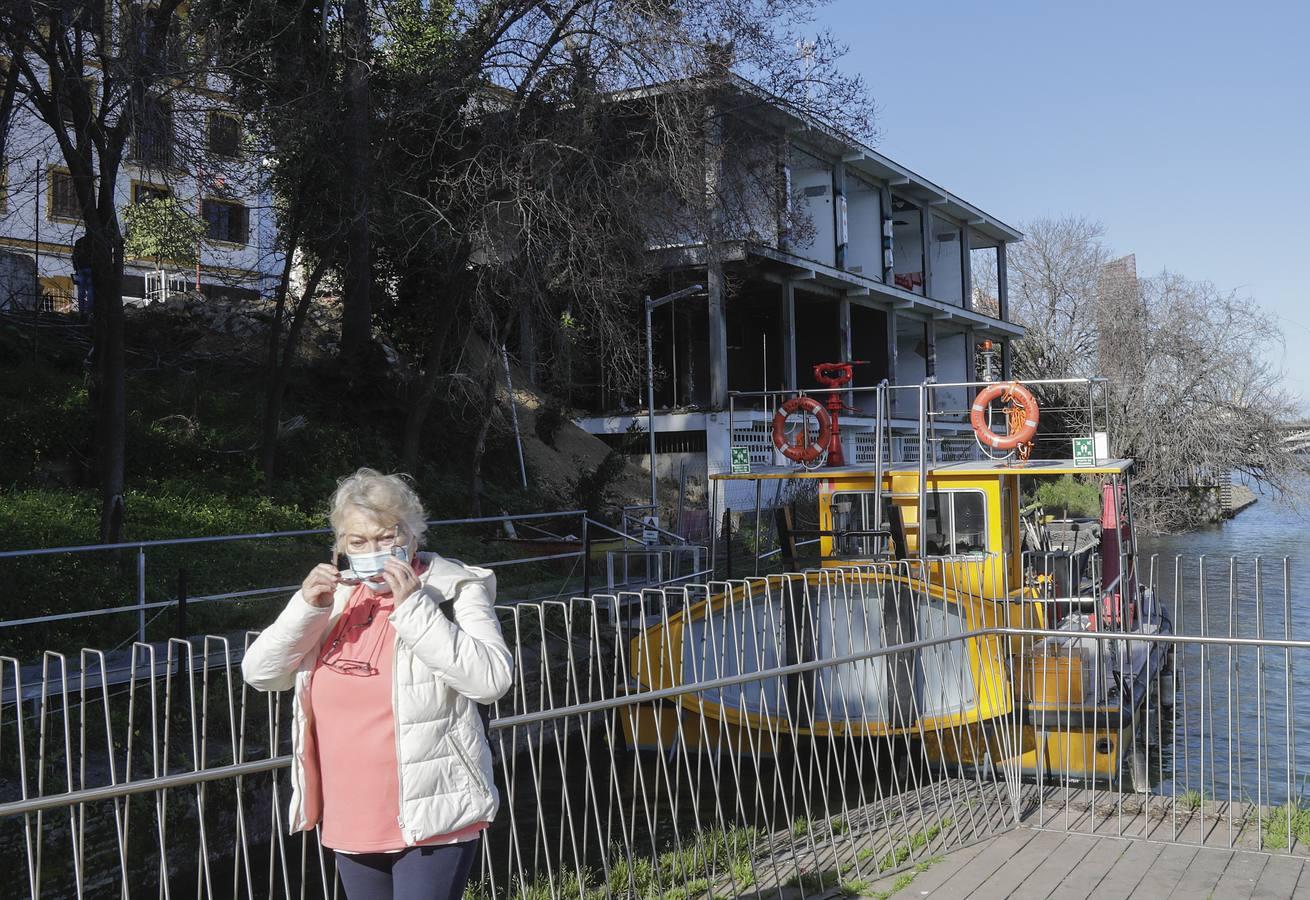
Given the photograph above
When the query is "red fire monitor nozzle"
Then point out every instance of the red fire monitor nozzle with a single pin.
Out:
(836, 375)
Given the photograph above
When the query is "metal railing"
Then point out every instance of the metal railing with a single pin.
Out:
(929, 407)
(183, 575)
(792, 732)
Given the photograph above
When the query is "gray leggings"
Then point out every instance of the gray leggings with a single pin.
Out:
(419, 873)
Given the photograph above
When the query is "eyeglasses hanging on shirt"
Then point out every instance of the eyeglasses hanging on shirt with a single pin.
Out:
(352, 650)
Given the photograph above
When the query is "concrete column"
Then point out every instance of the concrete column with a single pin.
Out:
(844, 335)
(844, 328)
(885, 194)
(892, 362)
(970, 363)
(717, 325)
(930, 348)
(840, 234)
(718, 336)
(788, 336)
(925, 237)
(966, 267)
(1002, 290)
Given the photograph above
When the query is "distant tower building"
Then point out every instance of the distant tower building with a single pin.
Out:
(1122, 319)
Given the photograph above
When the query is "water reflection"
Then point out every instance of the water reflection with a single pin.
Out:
(1242, 724)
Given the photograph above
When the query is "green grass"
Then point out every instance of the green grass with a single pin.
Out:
(192, 470)
(688, 873)
(814, 882)
(1191, 800)
(800, 827)
(899, 854)
(1275, 825)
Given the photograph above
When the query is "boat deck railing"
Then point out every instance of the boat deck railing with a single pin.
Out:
(172, 779)
(921, 423)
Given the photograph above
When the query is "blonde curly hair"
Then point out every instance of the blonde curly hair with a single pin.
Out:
(383, 498)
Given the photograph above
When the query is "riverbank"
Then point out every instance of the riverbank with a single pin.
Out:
(1242, 498)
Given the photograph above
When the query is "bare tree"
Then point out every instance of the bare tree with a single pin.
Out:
(551, 146)
(85, 79)
(1193, 398)
(1190, 394)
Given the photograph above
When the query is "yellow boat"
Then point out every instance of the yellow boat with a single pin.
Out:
(1048, 706)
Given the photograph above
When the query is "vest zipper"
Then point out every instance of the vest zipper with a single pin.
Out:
(395, 727)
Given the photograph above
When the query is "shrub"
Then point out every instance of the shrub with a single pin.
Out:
(550, 419)
(1070, 496)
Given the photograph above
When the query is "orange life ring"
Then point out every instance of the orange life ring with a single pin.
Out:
(799, 451)
(1010, 390)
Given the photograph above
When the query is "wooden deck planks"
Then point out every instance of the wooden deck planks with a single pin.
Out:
(1283, 876)
(1240, 876)
(1015, 871)
(1057, 867)
(1202, 874)
(1165, 873)
(1091, 868)
(970, 878)
(1128, 870)
(1136, 848)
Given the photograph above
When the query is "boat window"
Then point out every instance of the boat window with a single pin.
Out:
(746, 635)
(956, 523)
(848, 619)
(944, 682)
(854, 511)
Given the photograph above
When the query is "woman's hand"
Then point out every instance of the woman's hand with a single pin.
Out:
(320, 584)
(400, 577)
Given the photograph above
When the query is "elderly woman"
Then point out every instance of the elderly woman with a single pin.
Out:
(389, 660)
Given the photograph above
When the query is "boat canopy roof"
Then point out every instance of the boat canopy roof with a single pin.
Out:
(980, 467)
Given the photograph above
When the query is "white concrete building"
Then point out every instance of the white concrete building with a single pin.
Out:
(880, 265)
(189, 145)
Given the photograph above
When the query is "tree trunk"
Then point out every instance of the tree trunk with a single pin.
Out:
(108, 376)
(281, 370)
(356, 311)
(480, 449)
(421, 404)
(269, 417)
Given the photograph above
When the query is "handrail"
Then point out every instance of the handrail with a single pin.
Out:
(914, 387)
(258, 535)
(162, 782)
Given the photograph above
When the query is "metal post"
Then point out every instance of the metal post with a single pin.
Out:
(181, 603)
(36, 269)
(586, 555)
(880, 397)
(141, 594)
(650, 380)
(758, 483)
(650, 405)
(923, 470)
(727, 539)
(514, 414)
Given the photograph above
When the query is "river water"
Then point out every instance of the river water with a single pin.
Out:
(1235, 734)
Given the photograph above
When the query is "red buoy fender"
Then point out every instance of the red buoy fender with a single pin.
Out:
(1009, 390)
(801, 452)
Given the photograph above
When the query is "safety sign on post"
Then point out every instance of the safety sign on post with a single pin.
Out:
(741, 461)
(650, 530)
(1084, 451)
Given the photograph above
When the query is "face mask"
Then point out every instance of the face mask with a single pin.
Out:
(367, 566)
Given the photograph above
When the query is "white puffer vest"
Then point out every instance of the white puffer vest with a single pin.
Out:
(443, 670)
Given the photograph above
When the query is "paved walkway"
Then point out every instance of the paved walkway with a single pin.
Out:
(1031, 864)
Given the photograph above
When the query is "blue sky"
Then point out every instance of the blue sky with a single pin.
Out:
(1184, 128)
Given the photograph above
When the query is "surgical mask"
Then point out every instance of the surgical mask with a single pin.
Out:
(367, 566)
